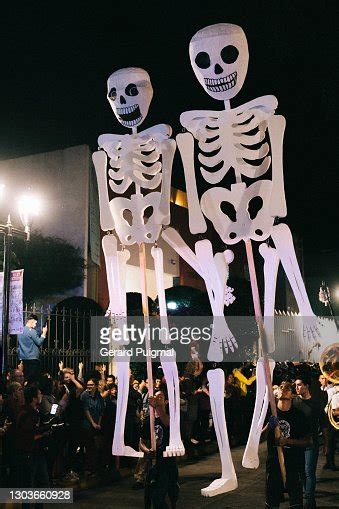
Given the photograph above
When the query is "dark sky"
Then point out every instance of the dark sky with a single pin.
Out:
(55, 59)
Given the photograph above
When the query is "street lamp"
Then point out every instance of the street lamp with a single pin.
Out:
(28, 208)
(325, 298)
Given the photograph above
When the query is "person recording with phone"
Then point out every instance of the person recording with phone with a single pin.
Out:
(29, 343)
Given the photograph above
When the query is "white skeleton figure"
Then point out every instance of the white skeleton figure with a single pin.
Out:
(237, 139)
(145, 160)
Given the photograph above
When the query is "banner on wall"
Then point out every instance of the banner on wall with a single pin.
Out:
(16, 324)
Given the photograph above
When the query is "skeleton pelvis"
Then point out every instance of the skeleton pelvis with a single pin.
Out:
(135, 224)
(240, 213)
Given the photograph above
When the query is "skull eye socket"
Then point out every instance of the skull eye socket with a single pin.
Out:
(131, 89)
(203, 60)
(113, 94)
(229, 54)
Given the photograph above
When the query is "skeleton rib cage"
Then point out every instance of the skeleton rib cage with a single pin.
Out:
(236, 139)
(133, 158)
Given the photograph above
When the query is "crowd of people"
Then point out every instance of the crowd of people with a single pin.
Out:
(57, 428)
(75, 416)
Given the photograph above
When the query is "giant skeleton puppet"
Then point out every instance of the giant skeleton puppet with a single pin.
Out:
(139, 162)
(247, 139)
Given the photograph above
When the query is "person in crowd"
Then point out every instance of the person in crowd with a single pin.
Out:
(109, 385)
(332, 411)
(200, 428)
(136, 385)
(324, 387)
(191, 381)
(143, 389)
(132, 422)
(313, 412)
(29, 343)
(93, 407)
(12, 407)
(31, 462)
(244, 377)
(141, 469)
(162, 478)
(295, 435)
(14, 401)
(15, 375)
(157, 384)
(107, 427)
(73, 415)
(232, 407)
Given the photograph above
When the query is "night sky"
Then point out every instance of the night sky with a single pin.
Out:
(55, 60)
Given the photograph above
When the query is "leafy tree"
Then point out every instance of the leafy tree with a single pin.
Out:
(52, 265)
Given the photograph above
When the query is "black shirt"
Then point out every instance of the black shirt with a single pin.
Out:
(161, 435)
(313, 412)
(292, 425)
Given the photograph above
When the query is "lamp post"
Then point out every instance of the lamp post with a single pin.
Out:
(28, 207)
(325, 298)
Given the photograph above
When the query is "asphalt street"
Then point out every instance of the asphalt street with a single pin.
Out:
(197, 475)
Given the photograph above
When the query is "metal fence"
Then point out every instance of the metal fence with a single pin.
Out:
(68, 338)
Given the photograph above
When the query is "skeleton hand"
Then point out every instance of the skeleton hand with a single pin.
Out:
(229, 297)
(310, 327)
(221, 338)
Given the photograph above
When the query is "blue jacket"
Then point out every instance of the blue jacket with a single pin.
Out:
(29, 343)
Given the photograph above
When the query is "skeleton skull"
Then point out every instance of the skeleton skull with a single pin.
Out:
(129, 92)
(219, 57)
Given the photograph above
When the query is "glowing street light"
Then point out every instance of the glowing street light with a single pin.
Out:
(29, 207)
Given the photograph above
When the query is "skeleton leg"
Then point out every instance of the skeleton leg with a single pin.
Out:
(175, 447)
(197, 223)
(283, 241)
(271, 265)
(115, 267)
(119, 448)
(116, 275)
(228, 480)
(208, 267)
(100, 165)
(251, 458)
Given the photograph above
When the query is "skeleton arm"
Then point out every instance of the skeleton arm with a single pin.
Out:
(276, 128)
(197, 223)
(100, 165)
(167, 149)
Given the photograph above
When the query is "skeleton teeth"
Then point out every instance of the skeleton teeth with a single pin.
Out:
(131, 123)
(221, 84)
(126, 109)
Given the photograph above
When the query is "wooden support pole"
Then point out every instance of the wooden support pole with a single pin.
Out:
(260, 322)
(145, 310)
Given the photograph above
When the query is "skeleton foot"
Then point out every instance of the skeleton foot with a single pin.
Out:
(220, 486)
(174, 450)
(251, 457)
(126, 450)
